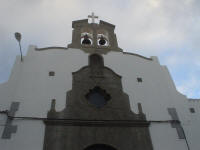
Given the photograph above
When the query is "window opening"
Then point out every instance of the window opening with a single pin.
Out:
(139, 79)
(51, 73)
(98, 97)
(192, 110)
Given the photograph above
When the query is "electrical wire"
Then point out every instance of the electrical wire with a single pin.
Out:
(41, 118)
(81, 120)
(64, 119)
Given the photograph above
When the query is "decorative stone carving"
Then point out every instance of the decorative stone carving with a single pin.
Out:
(81, 124)
(98, 97)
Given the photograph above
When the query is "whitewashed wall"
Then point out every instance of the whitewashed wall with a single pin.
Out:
(31, 85)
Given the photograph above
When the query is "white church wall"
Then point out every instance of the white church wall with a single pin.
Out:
(30, 135)
(155, 93)
(32, 86)
(34, 89)
(193, 123)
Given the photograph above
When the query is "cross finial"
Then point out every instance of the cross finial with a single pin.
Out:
(93, 17)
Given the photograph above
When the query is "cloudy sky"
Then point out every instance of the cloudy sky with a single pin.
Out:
(169, 29)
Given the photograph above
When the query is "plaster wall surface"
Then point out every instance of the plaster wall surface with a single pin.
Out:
(31, 85)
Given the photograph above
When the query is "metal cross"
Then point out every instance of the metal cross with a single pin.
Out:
(93, 17)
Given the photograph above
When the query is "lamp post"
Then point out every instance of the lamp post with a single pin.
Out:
(18, 38)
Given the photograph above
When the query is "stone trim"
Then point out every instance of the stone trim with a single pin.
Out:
(98, 50)
(73, 73)
(101, 22)
(49, 48)
(137, 55)
(193, 100)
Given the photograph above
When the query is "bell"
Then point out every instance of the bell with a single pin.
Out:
(102, 41)
(86, 40)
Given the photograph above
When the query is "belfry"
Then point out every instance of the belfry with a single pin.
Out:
(94, 37)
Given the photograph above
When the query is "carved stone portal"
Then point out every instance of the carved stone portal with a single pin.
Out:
(81, 124)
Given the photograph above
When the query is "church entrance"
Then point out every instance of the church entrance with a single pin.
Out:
(99, 147)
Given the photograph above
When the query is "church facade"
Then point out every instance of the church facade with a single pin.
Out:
(92, 95)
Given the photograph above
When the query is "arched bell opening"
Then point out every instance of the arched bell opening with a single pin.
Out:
(86, 39)
(102, 37)
(86, 36)
(102, 40)
(100, 147)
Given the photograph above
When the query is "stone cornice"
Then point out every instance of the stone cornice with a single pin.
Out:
(97, 50)
(49, 48)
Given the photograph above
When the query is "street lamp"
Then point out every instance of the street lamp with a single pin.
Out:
(18, 38)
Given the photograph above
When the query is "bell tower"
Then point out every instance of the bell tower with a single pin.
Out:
(93, 36)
